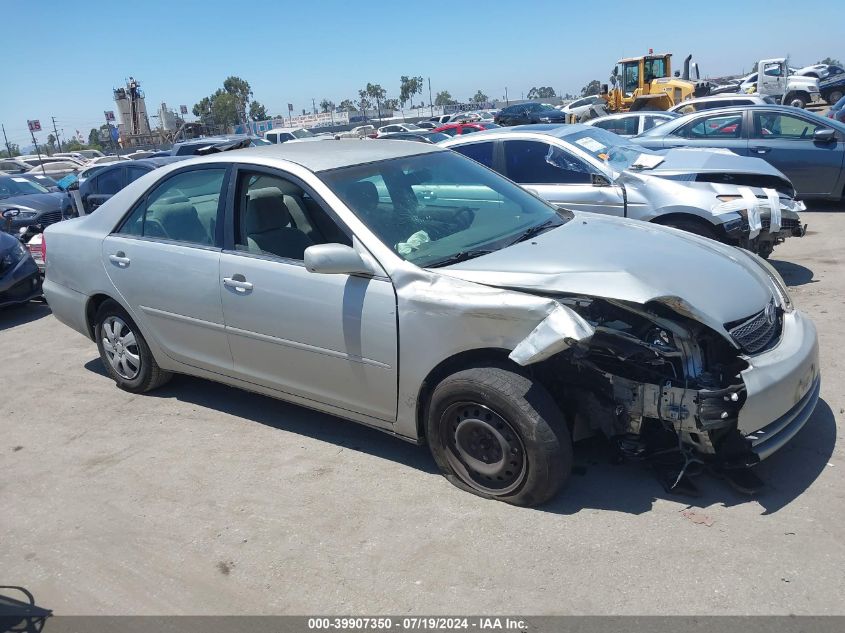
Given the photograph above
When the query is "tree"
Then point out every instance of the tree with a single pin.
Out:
(257, 112)
(326, 105)
(51, 141)
(830, 61)
(94, 138)
(346, 106)
(408, 87)
(16, 151)
(391, 104)
(202, 110)
(444, 98)
(543, 92)
(375, 91)
(240, 90)
(754, 67)
(479, 97)
(364, 102)
(592, 88)
(224, 109)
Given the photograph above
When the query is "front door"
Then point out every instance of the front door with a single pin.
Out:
(771, 78)
(330, 339)
(560, 177)
(164, 261)
(786, 141)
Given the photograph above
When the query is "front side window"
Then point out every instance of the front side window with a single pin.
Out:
(771, 125)
(630, 77)
(273, 138)
(536, 163)
(274, 216)
(772, 70)
(480, 152)
(438, 208)
(624, 126)
(183, 208)
(133, 173)
(720, 126)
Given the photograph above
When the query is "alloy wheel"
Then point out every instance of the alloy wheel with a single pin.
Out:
(121, 348)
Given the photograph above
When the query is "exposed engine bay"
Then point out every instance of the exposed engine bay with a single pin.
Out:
(657, 384)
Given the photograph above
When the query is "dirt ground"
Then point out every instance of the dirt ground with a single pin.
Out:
(201, 499)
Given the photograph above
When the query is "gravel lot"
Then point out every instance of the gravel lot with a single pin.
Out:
(201, 499)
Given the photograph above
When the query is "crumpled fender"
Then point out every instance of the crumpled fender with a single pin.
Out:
(557, 332)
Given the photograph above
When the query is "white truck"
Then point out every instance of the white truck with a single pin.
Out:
(775, 79)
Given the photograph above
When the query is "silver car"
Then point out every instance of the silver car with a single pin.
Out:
(631, 123)
(715, 194)
(410, 289)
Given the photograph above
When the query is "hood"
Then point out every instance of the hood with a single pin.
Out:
(612, 258)
(36, 201)
(800, 80)
(687, 160)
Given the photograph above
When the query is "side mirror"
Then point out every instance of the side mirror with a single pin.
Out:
(824, 135)
(335, 259)
(599, 180)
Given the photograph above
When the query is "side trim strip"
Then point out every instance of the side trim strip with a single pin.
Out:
(184, 319)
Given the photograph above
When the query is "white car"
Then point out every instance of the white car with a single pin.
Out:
(720, 101)
(580, 106)
(285, 134)
(631, 123)
(400, 127)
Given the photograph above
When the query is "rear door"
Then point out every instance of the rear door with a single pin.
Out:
(164, 261)
(560, 177)
(726, 129)
(786, 141)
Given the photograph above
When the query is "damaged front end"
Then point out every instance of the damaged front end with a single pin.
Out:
(653, 381)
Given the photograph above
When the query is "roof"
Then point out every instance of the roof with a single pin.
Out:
(331, 154)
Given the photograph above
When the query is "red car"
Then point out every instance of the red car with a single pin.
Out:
(454, 129)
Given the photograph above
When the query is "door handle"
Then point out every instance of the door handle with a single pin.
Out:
(761, 150)
(119, 259)
(238, 283)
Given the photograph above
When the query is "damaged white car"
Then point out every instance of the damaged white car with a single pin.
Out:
(483, 321)
(738, 200)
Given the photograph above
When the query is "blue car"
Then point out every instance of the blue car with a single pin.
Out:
(808, 148)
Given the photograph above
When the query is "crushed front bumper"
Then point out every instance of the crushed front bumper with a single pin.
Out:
(21, 284)
(782, 387)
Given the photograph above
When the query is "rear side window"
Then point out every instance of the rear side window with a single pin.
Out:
(184, 208)
(719, 126)
(133, 173)
(479, 152)
(110, 182)
(626, 126)
(533, 162)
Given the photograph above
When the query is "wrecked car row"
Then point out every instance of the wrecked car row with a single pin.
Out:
(408, 288)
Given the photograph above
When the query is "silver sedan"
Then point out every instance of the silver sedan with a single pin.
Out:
(408, 288)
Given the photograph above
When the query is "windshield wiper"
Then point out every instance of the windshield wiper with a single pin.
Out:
(535, 230)
(458, 257)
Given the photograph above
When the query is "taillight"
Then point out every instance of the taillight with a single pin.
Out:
(44, 248)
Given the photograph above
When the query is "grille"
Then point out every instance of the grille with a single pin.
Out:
(756, 333)
(51, 217)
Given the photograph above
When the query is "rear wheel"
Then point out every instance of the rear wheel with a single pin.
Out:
(499, 435)
(694, 226)
(833, 96)
(124, 352)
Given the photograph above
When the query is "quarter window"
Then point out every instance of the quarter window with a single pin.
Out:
(533, 162)
(184, 208)
(109, 183)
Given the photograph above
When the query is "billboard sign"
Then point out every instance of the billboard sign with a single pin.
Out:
(183, 109)
(109, 115)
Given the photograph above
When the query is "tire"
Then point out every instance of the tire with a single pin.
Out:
(499, 435)
(692, 226)
(796, 100)
(124, 352)
(833, 96)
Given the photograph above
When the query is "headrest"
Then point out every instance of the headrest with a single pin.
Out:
(363, 195)
(266, 214)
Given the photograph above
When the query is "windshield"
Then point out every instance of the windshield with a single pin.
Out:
(301, 133)
(439, 208)
(616, 152)
(16, 186)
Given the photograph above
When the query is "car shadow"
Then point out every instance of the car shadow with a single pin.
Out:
(13, 316)
(825, 206)
(598, 483)
(18, 611)
(793, 274)
(284, 416)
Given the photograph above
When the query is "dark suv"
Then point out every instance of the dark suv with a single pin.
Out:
(525, 113)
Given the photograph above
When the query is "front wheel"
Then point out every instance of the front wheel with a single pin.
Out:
(499, 435)
(796, 100)
(124, 352)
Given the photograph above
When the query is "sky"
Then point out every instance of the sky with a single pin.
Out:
(73, 54)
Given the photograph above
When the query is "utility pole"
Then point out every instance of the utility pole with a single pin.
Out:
(507, 103)
(58, 140)
(430, 102)
(38, 151)
(313, 106)
(8, 147)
